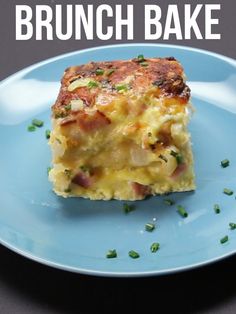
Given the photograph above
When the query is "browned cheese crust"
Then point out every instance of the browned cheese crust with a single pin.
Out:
(166, 74)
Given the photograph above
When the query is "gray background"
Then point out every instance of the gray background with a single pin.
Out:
(28, 287)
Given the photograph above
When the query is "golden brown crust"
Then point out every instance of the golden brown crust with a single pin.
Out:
(164, 74)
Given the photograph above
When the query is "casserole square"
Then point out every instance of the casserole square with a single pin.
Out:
(119, 130)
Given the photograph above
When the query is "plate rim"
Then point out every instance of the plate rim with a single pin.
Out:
(111, 274)
(102, 273)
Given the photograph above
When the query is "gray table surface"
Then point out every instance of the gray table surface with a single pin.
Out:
(28, 287)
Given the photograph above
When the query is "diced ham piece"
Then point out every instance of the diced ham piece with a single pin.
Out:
(92, 121)
(85, 94)
(179, 171)
(165, 138)
(140, 190)
(82, 179)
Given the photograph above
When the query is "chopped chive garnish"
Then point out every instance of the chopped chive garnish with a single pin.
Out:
(178, 157)
(144, 64)
(232, 225)
(228, 191)
(85, 168)
(31, 128)
(49, 169)
(181, 210)
(141, 58)
(109, 72)
(133, 254)
(150, 227)
(169, 202)
(37, 123)
(121, 87)
(58, 140)
(163, 157)
(68, 172)
(224, 163)
(154, 247)
(99, 72)
(92, 84)
(111, 254)
(60, 115)
(224, 239)
(68, 107)
(217, 208)
(47, 134)
(128, 208)
(173, 153)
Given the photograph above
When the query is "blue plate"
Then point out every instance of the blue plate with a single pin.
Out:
(75, 234)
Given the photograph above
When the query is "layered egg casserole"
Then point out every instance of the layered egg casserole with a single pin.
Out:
(120, 130)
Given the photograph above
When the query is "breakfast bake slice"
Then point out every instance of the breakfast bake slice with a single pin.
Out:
(120, 130)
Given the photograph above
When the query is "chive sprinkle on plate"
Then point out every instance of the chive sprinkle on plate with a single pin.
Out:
(38, 123)
(225, 163)
(128, 208)
(47, 134)
(111, 254)
(181, 210)
(217, 208)
(228, 191)
(224, 239)
(133, 254)
(31, 128)
(150, 226)
(232, 225)
(155, 247)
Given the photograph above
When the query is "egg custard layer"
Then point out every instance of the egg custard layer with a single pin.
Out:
(120, 130)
